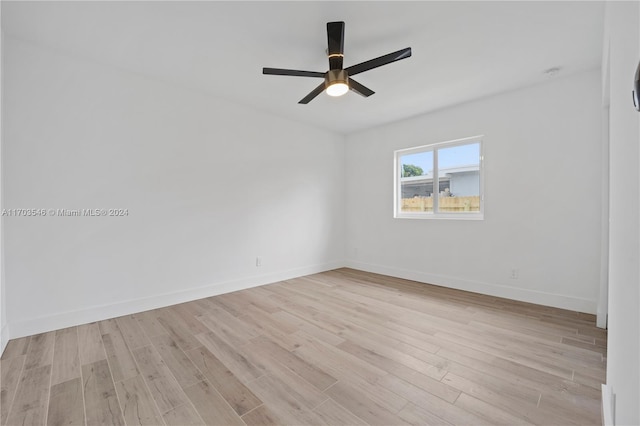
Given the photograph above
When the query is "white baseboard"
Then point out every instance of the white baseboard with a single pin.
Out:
(4, 337)
(128, 307)
(608, 403)
(601, 319)
(521, 294)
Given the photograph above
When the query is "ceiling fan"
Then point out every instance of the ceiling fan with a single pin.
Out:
(338, 81)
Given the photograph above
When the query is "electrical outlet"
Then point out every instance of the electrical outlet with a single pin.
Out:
(258, 261)
(514, 274)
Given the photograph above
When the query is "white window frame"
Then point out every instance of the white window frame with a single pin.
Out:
(397, 187)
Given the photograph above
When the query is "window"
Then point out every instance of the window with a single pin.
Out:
(450, 170)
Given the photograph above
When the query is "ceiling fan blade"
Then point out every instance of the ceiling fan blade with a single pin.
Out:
(378, 62)
(315, 92)
(360, 89)
(335, 42)
(295, 73)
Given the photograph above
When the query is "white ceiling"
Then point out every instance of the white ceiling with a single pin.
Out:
(461, 50)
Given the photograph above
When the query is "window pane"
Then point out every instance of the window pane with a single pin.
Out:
(416, 182)
(459, 167)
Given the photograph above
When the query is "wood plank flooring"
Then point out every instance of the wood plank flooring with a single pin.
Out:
(342, 347)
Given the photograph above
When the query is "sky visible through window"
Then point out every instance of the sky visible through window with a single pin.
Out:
(447, 157)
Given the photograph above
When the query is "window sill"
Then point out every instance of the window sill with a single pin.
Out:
(453, 216)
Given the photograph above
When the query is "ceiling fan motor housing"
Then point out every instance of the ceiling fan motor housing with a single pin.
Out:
(336, 76)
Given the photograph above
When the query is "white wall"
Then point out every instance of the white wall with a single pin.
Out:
(209, 186)
(4, 332)
(542, 182)
(623, 356)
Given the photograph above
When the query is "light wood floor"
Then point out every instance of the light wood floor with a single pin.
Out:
(341, 347)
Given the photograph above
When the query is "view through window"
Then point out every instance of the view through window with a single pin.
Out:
(440, 180)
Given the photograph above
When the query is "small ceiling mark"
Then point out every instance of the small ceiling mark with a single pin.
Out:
(552, 72)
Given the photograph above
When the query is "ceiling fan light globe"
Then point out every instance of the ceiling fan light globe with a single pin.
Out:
(337, 89)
